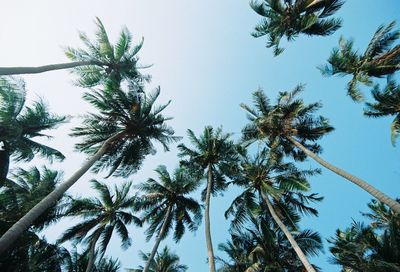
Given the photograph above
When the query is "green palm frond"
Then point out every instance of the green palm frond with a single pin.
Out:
(134, 116)
(379, 59)
(387, 103)
(291, 18)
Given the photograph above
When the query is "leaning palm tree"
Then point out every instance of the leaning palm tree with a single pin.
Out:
(167, 207)
(387, 103)
(118, 138)
(166, 261)
(100, 62)
(212, 156)
(379, 59)
(110, 212)
(289, 127)
(20, 125)
(282, 189)
(290, 18)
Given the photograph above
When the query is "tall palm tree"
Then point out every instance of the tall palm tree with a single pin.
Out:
(17, 196)
(291, 128)
(369, 248)
(20, 125)
(282, 189)
(378, 60)
(98, 63)
(110, 212)
(118, 138)
(387, 102)
(290, 18)
(212, 156)
(167, 207)
(166, 261)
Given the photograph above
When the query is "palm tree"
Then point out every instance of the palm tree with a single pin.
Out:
(166, 261)
(288, 18)
(117, 138)
(387, 103)
(79, 261)
(291, 128)
(281, 187)
(103, 215)
(98, 63)
(214, 154)
(261, 246)
(20, 125)
(378, 60)
(167, 207)
(369, 248)
(17, 196)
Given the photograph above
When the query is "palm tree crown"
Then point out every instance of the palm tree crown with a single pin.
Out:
(290, 18)
(266, 174)
(290, 117)
(378, 60)
(113, 63)
(130, 115)
(387, 102)
(20, 124)
(261, 246)
(165, 261)
(111, 211)
(369, 248)
(170, 192)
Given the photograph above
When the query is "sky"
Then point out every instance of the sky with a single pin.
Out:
(206, 62)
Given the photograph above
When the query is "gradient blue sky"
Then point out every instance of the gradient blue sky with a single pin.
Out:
(207, 63)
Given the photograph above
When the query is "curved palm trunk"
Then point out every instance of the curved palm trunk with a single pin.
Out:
(289, 236)
(395, 206)
(158, 240)
(23, 224)
(89, 266)
(46, 68)
(210, 251)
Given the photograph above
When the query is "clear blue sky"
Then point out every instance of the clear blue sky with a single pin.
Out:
(206, 61)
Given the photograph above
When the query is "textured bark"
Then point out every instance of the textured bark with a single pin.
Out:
(158, 240)
(210, 251)
(394, 205)
(46, 68)
(289, 236)
(92, 253)
(51, 199)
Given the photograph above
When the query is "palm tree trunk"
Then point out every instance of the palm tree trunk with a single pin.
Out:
(4, 166)
(23, 224)
(289, 236)
(394, 205)
(210, 251)
(89, 266)
(40, 69)
(158, 240)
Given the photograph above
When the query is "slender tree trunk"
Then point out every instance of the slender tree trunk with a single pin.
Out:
(4, 166)
(51, 199)
(394, 205)
(210, 251)
(41, 69)
(158, 240)
(92, 254)
(288, 235)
